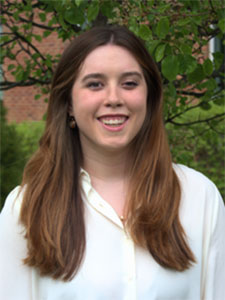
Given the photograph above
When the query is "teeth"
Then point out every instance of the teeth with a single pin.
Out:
(117, 121)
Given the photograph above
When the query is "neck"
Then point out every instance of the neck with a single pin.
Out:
(109, 172)
(110, 166)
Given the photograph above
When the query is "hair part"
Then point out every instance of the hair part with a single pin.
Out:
(53, 210)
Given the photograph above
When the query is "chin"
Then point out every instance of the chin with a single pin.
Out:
(114, 147)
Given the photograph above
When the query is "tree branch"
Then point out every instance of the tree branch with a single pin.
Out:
(26, 41)
(169, 119)
(29, 53)
(212, 7)
(198, 95)
(213, 128)
(8, 42)
(7, 85)
(32, 22)
(197, 121)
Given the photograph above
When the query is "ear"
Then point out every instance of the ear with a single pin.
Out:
(70, 110)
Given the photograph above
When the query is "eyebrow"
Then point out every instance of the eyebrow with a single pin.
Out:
(93, 75)
(101, 75)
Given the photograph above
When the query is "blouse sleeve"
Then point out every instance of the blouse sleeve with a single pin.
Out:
(15, 277)
(214, 277)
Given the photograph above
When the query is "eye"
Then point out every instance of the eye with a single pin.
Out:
(130, 84)
(94, 85)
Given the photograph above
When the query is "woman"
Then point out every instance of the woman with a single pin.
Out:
(102, 212)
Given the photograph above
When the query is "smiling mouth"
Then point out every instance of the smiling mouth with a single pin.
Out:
(113, 121)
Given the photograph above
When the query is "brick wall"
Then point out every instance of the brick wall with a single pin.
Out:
(19, 101)
(21, 105)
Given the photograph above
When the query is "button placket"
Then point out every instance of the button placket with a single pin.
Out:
(129, 268)
(103, 207)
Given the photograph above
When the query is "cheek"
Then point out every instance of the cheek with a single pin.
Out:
(85, 104)
(79, 101)
(139, 103)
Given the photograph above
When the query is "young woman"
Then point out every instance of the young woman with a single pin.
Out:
(102, 212)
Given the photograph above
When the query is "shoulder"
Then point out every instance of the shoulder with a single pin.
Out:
(188, 174)
(15, 276)
(200, 198)
(13, 202)
(193, 181)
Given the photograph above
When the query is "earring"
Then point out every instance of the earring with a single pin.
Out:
(72, 122)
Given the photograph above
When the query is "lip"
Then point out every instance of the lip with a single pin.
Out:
(113, 116)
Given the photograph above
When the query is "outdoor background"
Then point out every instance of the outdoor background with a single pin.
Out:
(185, 38)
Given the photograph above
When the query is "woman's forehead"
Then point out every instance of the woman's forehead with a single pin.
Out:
(109, 58)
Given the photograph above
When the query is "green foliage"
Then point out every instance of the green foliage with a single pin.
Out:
(175, 33)
(11, 157)
(162, 27)
(200, 146)
(30, 133)
(93, 10)
(18, 142)
(170, 67)
(144, 32)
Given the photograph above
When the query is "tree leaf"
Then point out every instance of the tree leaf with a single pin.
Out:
(218, 59)
(78, 2)
(220, 101)
(48, 63)
(187, 63)
(46, 33)
(172, 90)
(35, 56)
(170, 67)
(10, 67)
(145, 32)
(183, 21)
(210, 84)
(197, 75)
(4, 38)
(221, 25)
(162, 28)
(20, 75)
(37, 37)
(74, 16)
(58, 5)
(93, 10)
(53, 20)
(42, 17)
(37, 96)
(159, 52)
(151, 45)
(205, 105)
(133, 25)
(150, 3)
(168, 50)
(62, 21)
(186, 49)
(208, 67)
(107, 9)
(16, 15)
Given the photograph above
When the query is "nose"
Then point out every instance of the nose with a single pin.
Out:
(113, 98)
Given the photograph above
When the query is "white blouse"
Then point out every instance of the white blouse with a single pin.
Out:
(114, 268)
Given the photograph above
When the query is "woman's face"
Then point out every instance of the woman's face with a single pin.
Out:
(109, 99)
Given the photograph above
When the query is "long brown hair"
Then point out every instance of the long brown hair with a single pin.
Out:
(52, 209)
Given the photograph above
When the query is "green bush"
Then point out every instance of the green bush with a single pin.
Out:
(12, 157)
(30, 133)
(18, 142)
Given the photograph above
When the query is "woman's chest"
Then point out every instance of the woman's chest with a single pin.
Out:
(114, 268)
